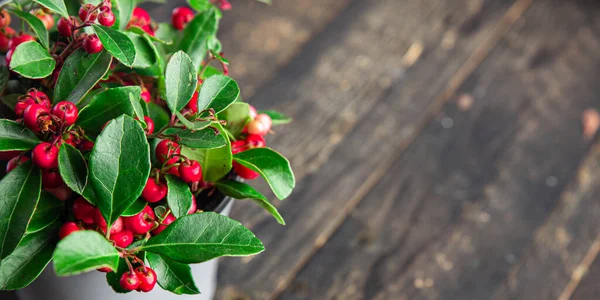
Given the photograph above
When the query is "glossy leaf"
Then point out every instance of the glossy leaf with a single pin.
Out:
(181, 81)
(29, 259)
(200, 5)
(48, 210)
(80, 72)
(123, 10)
(218, 92)
(179, 196)
(139, 31)
(215, 163)
(197, 33)
(145, 55)
(116, 43)
(73, 168)
(119, 166)
(273, 167)
(84, 251)
(20, 194)
(200, 237)
(205, 138)
(135, 208)
(31, 60)
(113, 278)
(240, 190)
(55, 5)
(35, 23)
(173, 276)
(107, 106)
(14, 136)
(237, 115)
(195, 125)
(158, 115)
(136, 104)
(276, 117)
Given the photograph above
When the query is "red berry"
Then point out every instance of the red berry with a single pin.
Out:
(257, 127)
(253, 112)
(106, 18)
(67, 229)
(64, 27)
(117, 226)
(190, 171)
(22, 105)
(105, 270)
(238, 146)
(194, 206)
(140, 17)
(85, 10)
(19, 39)
(32, 114)
(256, 141)
(140, 223)
(170, 218)
(39, 97)
(5, 35)
(149, 125)
(147, 278)
(4, 19)
(265, 119)
(98, 218)
(8, 155)
(146, 96)
(153, 191)
(51, 179)
(8, 56)
(148, 29)
(15, 162)
(181, 16)
(193, 103)
(224, 5)
(86, 145)
(166, 149)
(45, 155)
(82, 208)
(92, 44)
(122, 239)
(244, 172)
(129, 281)
(66, 111)
(46, 19)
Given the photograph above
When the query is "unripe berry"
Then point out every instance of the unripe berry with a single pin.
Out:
(265, 119)
(142, 222)
(244, 172)
(170, 218)
(105, 270)
(19, 39)
(46, 19)
(190, 171)
(82, 209)
(15, 162)
(66, 111)
(224, 5)
(146, 96)
(193, 103)
(51, 179)
(122, 239)
(67, 229)
(106, 18)
(257, 127)
(147, 278)
(166, 149)
(32, 114)
(64, 27)
(256, 141)
(253, 112)
(45, 155)
(92, 44)
(85, 10)
(117, 226)
(129, 281)
(154, 191)
(181, 16)
(4, 19)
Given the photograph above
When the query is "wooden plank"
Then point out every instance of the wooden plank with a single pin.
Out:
(362, 84)
(461, 205)
(587, 288)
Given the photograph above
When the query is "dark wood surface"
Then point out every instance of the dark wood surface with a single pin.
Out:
(437, 146)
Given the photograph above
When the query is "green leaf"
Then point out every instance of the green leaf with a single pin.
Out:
(200, 237)
(48, 210)
(179, 196)
(35, 23)
(236, 115)
(73, 168)
(265, 1)
(218, 92)
(197, 33)
(145, 55)
(80, 73)
(210, 71)
(240, 190)
(14, 136)
(116, 43)
(200, 5)
(135, 208)
(107, 106)
(84, 251)
(31, 60)
(55, 5)
(195, 125)
(18, 199)
(181, 79)
(277, 117)
(29, 259)
(123, 10)
(273, 167)
(216, 163)
(136, 104)
(119, 165)
(166, 34)
(154, 38)
(173, 276)
(205, 138)
(158, 115)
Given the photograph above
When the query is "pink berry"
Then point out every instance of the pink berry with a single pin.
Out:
(85, 10)
(45, 155)
(265, 119)
(64, 27)
(181, 16)
(66, 111)
(106, 18)
(92, 44)
(257, 127)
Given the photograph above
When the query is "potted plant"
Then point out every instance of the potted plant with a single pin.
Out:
(123, 140)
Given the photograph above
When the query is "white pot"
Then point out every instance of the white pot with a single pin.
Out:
(93, 286)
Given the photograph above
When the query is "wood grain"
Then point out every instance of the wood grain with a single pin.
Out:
(333, 89)
(462, 205)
